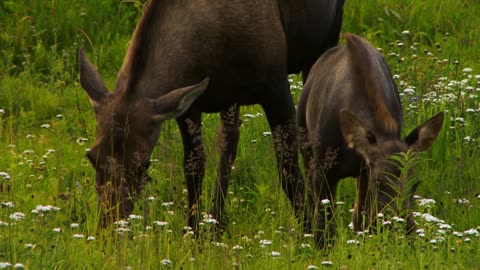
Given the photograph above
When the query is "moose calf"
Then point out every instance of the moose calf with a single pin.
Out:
(349, 118)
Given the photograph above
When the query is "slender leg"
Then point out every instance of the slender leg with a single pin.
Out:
(362, 212)
(280, 113)
(228, 136)
(324, 224)
(307, 154)
(193, 163)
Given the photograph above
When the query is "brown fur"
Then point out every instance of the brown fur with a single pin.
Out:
(349, 119)
(246, 48)
(363, 61)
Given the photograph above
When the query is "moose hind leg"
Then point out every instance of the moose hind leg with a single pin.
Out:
(228, 137)
(280, 112)
(193, 163)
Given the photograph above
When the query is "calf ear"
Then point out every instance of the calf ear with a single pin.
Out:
(177, 101)
(422, 137)
(91, 80)
(356, 135)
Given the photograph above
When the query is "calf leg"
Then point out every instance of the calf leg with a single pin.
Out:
(228, 136)
(280, 113)
(193, 163)
(324, 223)
(363, 208)
(307, 154)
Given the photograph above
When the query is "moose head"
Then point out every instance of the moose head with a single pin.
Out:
(381, 186)
(128, 126)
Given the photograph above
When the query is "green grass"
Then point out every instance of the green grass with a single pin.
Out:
(45, 115)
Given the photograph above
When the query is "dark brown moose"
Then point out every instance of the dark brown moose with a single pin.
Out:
(349, 120)
(245, 48)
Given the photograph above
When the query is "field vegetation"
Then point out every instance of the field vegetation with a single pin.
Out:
(48, 217)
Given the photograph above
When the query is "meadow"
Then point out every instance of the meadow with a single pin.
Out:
(48, 217)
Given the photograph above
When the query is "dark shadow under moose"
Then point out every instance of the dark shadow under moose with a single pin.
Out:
(246, 49)
(349, 119)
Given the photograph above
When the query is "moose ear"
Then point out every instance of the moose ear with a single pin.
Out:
(356, 135)
(177, 101)
(422, 137)
(91, 80)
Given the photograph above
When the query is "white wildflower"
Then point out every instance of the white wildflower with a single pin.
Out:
(327, 263)
(166, 262)
(8, 204)
(325, 201)
(399, 219)
(265, 242)
(473, 232)
(151, 198)
(409, 91)
(305, 245)
(167, 204)
(135, 217)
(462, 201)
(161, 223)
(121, 223)
(275, 254)
(426, 202)
(445, 227)
(5, 175)
(4, 265)
(457, 234)
(17, 216)
(430, 218)
(237, 247)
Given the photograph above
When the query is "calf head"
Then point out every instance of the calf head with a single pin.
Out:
(381, 186)
(128, 126)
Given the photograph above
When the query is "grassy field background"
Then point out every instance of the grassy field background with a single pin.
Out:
(48, 201)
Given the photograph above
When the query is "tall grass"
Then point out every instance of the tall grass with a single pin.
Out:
(46, 124)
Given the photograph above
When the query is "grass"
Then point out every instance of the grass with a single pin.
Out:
(45, 118)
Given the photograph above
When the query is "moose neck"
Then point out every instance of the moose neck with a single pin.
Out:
(149, 67)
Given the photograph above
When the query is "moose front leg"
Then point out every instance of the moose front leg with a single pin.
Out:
(324, 195)
(228, 137)
(193, 164)
(364, 202)
(307, 154)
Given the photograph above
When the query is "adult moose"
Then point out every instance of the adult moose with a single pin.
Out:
(349, 118)
(245, 48)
